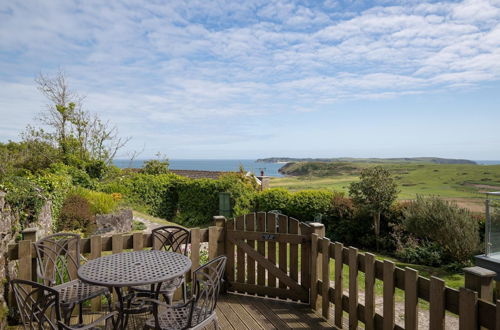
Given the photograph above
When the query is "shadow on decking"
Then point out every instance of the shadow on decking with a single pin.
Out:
(241, 312)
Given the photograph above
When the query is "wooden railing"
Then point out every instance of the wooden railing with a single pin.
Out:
(472, 311)
(310, 258)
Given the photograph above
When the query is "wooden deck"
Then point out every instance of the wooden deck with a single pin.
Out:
(241, 312)
(244, 312)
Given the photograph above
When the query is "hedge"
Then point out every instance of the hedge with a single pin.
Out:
(190, 202)
(305, 205)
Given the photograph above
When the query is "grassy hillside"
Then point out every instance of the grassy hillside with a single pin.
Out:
(462, 183)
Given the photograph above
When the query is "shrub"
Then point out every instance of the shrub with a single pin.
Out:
(273, 199)
(198, 201)
(25, 197)
(308, 205)
(242, 190)
(420, 252)
(155, 166)
(76, 215)
(454, 229)
(100, 203)
(157, 194)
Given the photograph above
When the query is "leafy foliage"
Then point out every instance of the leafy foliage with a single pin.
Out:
(76, 215)
(273, 199)
(100, 203)
(155, 166)
(309, 205)
(454, 229)
(375, 191)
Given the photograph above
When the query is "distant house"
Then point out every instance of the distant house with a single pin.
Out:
(262, 181)
(194, 174)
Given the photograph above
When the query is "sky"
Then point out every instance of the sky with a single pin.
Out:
(252, 79)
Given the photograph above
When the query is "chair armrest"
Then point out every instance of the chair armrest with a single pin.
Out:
(90, 325)
(39, 275)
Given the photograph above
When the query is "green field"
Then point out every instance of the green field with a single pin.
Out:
(464, 184)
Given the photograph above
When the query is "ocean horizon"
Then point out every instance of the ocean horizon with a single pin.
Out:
(229, 165)
(223, 165)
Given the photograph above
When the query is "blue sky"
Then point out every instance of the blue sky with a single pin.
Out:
(248, 79)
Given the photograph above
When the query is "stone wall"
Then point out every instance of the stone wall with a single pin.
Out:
(8, 233)
(9, 230)
(114, 223)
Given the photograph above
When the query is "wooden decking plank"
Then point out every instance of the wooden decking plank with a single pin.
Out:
(271, 317)
(311, 318)
(223, 321)
(284, 312)
(246, 303)
(242, 313)
(232, 318)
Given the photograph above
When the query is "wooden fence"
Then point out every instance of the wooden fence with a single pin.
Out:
(276, 256)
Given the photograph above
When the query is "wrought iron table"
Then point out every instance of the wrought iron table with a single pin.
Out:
(136, 268)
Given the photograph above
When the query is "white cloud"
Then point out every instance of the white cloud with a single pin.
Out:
(224, 62)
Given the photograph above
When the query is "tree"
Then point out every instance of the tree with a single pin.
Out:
(156, 166)
(77, 133)
(375, 191)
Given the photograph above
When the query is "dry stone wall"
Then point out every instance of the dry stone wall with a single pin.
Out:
(8, 232)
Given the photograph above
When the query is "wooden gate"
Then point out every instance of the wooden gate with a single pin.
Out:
(268, 255)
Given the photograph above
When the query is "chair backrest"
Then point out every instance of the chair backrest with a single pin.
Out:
(208, 279)
(58, 258)
(38, 305)
(171, 238)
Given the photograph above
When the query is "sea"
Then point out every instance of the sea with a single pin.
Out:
(225, 165)
(270, 169)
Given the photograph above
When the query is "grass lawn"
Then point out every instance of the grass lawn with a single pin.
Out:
(465, 184)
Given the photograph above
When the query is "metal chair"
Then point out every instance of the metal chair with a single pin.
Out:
(58, 258)
(199, 311)
(173, 239)
(39, 306)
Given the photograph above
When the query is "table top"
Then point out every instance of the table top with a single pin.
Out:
(134, 268)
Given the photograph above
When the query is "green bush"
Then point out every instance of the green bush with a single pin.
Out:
(242, 190)
(420, 252)
(76, 215)
(273, 199)
(454, 229)
(308, 205)
(155, 166)
(198, 201)
(25, 197)
(156, 194)
(100, 203)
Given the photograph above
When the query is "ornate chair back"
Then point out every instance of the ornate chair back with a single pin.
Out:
(208, 280)
(171, 238)
(58, 258)
(37, 304)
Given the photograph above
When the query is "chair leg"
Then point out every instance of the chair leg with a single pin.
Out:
(67, 311)
(216, 322)
(108, 300)
(80, 313)
(184, 291)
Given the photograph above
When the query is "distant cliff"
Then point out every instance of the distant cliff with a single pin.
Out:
(428, 160)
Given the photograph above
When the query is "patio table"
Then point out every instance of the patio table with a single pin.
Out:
(136, 268)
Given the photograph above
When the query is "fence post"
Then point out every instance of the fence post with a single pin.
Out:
(220, 223)
(30, 234)
(480, 280)
(319, 230)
